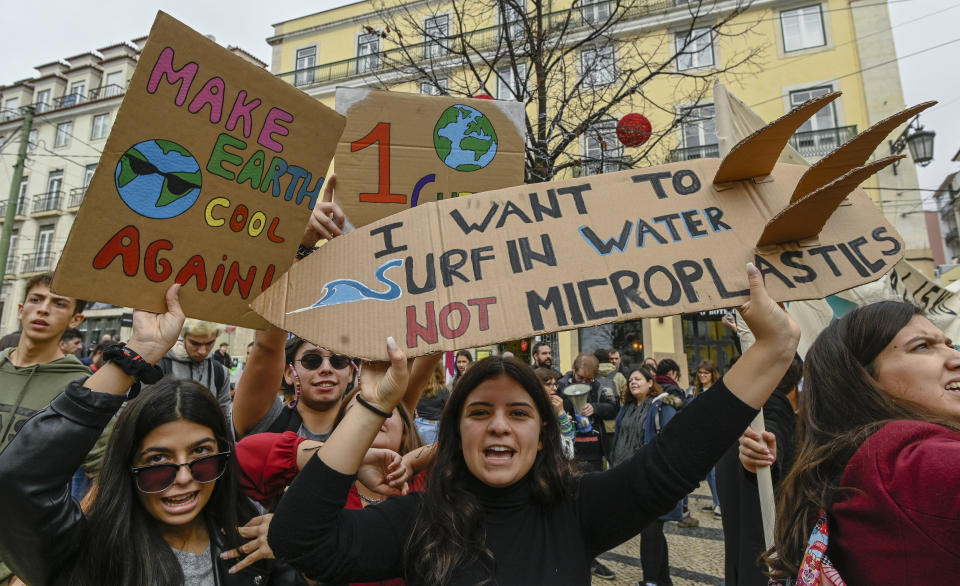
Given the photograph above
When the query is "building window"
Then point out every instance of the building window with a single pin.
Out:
(595, 11)
(55, 182)
(11, 109)
(430, 88)
(75, 96)
(508, 86)
(819, 131)
(368, 49)
(511, 20)
(114, 85)
(51, 199)
(698, 133)
(101, 125)
(802, 28)
(44, 258)
(88, 174)
(699, 49)
(62, 137)
(597, 64)
(602, 150)
(436, 30)
(43, 101)
(306, 62)
(32, 139)
(22, 197)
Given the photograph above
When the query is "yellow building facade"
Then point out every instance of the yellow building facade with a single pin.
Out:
(788, 51)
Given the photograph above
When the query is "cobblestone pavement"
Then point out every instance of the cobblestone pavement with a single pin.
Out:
(696, 554)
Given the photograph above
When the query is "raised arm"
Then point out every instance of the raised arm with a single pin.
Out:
(43, 527)
(258, 385)
(672, 465)
(260, 381)
(420, 373)
(753, 377)
(311, 530)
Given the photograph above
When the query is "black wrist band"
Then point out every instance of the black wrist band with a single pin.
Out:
(305, 251)
(363, 402)
(132, 364)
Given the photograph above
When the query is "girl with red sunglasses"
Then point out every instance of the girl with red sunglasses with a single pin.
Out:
(167, 505)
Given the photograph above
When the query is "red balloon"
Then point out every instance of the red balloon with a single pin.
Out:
(634, 129)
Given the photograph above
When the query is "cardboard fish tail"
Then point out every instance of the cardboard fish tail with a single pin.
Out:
(756, 155)
(807, 217)
(853, 153)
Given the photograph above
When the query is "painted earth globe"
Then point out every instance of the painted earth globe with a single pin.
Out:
(464, 138)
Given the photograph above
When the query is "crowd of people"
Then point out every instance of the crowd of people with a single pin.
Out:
(142, 465)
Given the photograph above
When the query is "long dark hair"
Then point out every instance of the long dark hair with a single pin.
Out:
(840, 407)
(655, 388)
(449, 530)
(124, 544)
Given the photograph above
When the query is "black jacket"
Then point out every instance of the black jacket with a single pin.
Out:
(740, 498)
(606, 405)
(43, 528)
(530, 543)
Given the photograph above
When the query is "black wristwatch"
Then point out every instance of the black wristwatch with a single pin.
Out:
(132, 364)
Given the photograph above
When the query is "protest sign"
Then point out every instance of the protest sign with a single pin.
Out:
(539, 258)
(208, 178)
(401, 150)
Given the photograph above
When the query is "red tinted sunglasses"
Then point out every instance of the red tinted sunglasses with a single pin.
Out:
(160, 477)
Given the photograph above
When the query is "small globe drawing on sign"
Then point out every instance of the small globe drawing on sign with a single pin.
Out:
(464, 138)
(158, 179)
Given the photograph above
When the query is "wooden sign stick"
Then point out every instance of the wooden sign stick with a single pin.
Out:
(765, 486)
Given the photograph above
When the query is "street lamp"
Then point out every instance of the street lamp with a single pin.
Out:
(920, 143)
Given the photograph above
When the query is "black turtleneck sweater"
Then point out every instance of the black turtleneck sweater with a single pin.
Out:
(530, 545)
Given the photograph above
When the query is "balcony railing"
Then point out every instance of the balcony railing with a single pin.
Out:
(36, 262)
(707, 151)
(11, 265)
(47, 202)
(69, 100)
(42, 107)
(76, 197)
(11, 114)
(479, 40)
(21, 207)
(105, 91)
(817, 143)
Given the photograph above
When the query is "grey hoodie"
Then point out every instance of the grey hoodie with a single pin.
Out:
(178, 364)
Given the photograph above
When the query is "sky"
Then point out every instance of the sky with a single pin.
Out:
(53, 29)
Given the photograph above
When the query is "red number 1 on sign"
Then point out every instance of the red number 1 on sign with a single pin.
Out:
(380, 135)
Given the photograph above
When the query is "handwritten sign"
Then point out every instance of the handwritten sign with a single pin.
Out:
(541, 258)
(207, 179)
(401, 150)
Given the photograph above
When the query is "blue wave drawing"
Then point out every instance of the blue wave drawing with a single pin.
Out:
(349, 290)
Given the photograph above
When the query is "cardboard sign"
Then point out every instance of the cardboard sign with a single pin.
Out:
(208, 177)
(539, 258)
(402, 150)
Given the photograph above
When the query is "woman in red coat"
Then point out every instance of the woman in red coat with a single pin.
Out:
(879, 452)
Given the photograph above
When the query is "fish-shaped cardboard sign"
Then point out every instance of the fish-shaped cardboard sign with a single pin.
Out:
(657, 241)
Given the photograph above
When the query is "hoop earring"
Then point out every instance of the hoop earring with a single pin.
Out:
(296, 387)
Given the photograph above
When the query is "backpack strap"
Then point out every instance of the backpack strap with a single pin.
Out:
(219, 377)
(288, 420)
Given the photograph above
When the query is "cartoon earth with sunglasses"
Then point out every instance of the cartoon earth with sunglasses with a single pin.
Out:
(158, 179)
